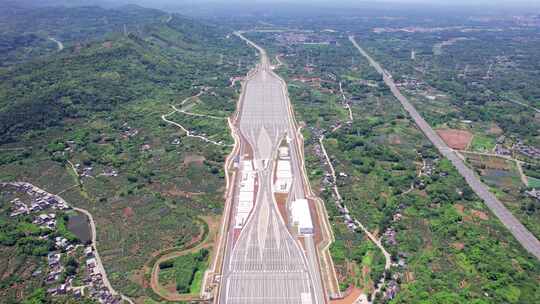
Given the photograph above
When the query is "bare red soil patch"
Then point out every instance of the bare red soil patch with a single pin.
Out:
(458, 245)
(409, 276)
(128, 212)
(460, 209)
(495, 130)
(394, 139)
(281, 200)
(317, 229)
(456, 139)
(481, 215)
(352, 294)
(137, 277)
(193, 158)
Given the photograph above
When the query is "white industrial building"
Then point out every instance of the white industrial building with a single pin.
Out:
(283, 176)
(284, 153)
(305, 298)
(301, 217)
(246, 194)
(247, 166)
(247, 182)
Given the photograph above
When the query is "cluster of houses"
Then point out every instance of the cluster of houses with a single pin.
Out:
(328, 181)
(518, 147)
(84, 171)
(391, 290)
(109, 172)
(428, 166)
(349, 221)
(55, 271)
(528, 151)
(292, 38)
(127, 131)
(390, 233)
(500, 149)
(93, 280)
(46, 221)
(390, 236)
(534, 193)
(417, 29)
(413, 84)
(41, 200)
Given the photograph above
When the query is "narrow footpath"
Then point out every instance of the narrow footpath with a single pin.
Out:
(377, 242)
(185, 112)
(346, 103)
(189, 133)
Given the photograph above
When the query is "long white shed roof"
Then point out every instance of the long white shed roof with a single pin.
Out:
(301, 215)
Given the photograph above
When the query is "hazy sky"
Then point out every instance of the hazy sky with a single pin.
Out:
(337, 2)
(194, 4)
(349, 3)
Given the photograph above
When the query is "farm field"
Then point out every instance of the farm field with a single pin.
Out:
(183, 274)
(534, 182)
(504, 179)
(456, 139)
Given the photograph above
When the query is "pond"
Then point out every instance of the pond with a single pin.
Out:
(78, 224)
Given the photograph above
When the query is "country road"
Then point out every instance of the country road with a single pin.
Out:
(197, 114)
(189, 133)
(96, 254)
(520, 232)
(59, 44)
(524, 105)
(347, 105)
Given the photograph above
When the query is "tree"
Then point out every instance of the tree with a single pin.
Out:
(37, 297)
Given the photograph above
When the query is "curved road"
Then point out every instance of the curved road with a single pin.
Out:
(59, 44)
(520, 232)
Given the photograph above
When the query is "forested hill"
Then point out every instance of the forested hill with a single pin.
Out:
(97, 104)
(161, 56)
(26, 33)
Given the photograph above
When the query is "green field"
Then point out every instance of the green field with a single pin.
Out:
(481, 143)
(185, 271)
(534, 182)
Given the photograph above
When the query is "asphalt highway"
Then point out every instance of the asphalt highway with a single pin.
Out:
(267, 264)
(520, 232)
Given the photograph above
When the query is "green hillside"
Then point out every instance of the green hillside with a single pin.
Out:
(98, 104)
